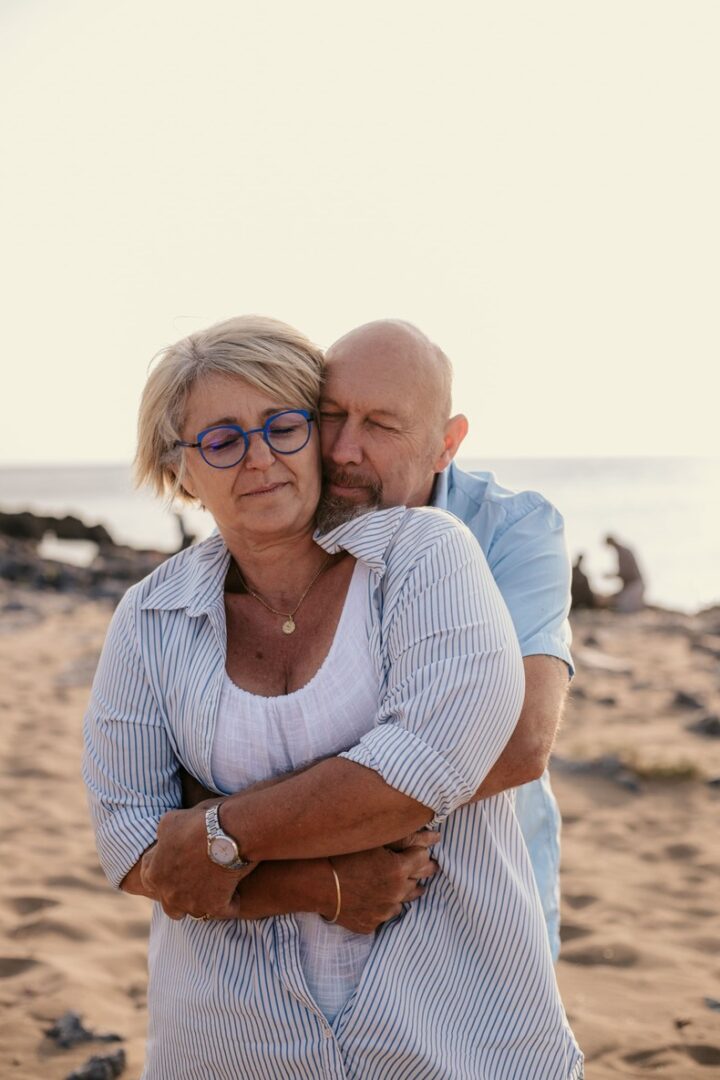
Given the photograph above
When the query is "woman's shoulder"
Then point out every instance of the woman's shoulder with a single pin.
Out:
(399, 536)
(181, 580)
(424, 531)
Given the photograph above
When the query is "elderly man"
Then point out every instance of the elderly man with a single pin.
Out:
(387, 391)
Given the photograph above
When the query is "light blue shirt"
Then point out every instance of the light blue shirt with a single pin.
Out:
(462, 984)
(521, 535)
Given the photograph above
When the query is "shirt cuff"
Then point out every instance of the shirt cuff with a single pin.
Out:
(547, 645)
(121, 842)
(413, 767)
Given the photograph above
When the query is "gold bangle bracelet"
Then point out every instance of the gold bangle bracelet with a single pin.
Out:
(339, 897)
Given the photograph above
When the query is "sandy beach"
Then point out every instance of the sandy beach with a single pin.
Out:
(640, 966)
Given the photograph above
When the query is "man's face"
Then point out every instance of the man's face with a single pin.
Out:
(380, 434)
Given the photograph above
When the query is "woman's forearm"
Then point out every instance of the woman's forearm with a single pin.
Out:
(359, 891)
(274, 888)
(282, 888)
(132, 883)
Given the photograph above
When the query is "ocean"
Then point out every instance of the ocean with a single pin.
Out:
(666, 509)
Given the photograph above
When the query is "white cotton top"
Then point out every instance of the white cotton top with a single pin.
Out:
(260, 737)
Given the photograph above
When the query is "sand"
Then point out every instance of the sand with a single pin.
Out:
(641, 867)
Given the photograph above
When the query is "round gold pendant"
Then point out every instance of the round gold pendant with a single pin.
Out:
(289, 625)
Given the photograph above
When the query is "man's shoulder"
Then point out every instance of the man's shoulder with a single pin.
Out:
(490, 509)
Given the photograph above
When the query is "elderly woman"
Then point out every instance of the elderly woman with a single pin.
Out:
(338, 691)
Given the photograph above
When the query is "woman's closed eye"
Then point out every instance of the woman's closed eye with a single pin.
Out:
(222, 440)
(277, 431)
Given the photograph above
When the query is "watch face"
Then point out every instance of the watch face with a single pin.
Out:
(223, 851)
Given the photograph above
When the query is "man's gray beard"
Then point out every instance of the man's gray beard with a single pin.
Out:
(333, 510)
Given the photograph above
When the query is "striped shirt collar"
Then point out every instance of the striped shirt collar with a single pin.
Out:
(196, 580)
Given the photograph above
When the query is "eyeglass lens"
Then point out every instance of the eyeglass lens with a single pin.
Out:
(285, 433)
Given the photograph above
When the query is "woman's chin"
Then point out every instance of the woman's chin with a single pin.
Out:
(267, 520)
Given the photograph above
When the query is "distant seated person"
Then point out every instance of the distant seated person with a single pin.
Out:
(581, 589)
(630, 596)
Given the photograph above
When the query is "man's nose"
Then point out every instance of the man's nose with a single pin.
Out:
(343, 445)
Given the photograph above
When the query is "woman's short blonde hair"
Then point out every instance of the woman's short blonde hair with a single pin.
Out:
(268, 354)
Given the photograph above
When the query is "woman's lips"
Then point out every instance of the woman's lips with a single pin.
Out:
(269, 489)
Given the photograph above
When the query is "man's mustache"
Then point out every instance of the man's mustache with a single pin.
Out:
(350, 480)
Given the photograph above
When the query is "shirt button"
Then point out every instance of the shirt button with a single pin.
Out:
(327, 1032)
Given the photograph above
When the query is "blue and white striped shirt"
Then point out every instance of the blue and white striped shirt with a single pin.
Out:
(462, 984)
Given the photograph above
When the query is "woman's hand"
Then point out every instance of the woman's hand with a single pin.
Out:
(177, 872)
(375, 884)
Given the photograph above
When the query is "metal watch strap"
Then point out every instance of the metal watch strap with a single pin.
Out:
(215, 831)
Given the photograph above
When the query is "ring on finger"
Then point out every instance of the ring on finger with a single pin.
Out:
(200, 918)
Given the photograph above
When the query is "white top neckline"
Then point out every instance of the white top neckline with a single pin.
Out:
(348, 606)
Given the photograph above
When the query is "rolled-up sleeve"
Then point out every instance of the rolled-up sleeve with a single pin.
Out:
(129, 765)
(454, 686)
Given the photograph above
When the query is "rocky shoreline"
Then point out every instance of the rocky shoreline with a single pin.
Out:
(112, 570)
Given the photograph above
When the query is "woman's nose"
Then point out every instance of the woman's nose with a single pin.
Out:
(259, 455)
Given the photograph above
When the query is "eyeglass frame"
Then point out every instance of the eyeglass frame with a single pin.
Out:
(264, 430)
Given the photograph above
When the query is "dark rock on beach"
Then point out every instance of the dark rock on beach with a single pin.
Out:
(683, 700)
(28, 526)
(709, 726)
(114, 568)
(100, 1068)
(607, 766)
(69, 1030)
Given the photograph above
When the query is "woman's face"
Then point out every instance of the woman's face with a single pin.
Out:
(267, 495)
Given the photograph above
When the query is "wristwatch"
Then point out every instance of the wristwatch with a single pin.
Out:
(221, 848)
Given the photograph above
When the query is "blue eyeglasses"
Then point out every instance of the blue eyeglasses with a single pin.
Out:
(225, 445)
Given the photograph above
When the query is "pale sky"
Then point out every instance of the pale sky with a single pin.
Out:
(534, 184)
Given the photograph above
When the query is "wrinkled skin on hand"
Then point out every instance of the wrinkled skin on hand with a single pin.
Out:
(178, 872)
(375, 884)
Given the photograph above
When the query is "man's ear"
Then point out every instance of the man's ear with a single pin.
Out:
(455, 431)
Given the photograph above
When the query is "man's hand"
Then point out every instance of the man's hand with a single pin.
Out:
(178, 873)
(375, 884)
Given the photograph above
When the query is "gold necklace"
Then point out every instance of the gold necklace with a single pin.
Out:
(289, 625)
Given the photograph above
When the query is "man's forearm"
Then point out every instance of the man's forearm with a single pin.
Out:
(526, 755)
(315, 814)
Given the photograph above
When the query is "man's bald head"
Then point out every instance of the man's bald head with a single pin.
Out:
(397, 344)
(386, 429)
